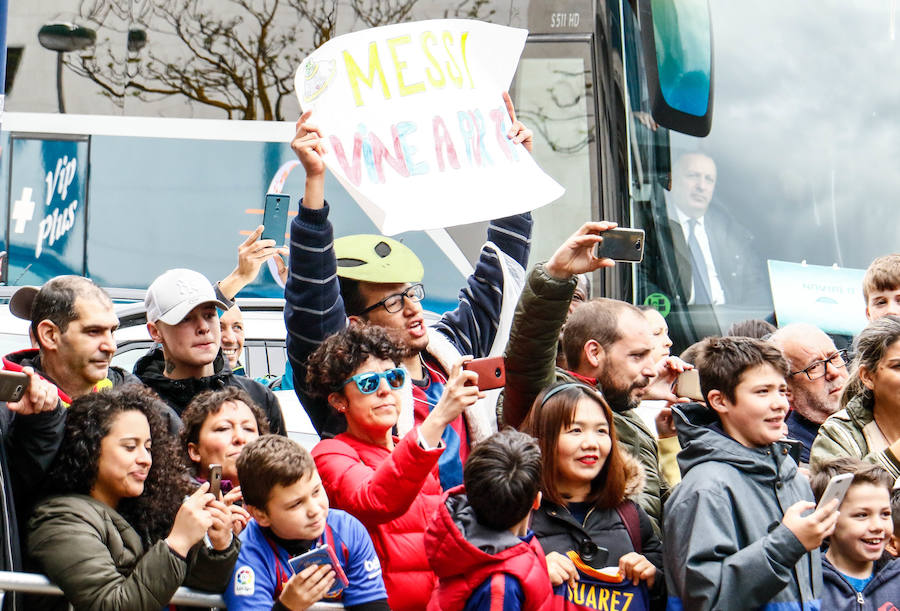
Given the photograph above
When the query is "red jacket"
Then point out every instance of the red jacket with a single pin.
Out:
(463, 560)
(394, 495)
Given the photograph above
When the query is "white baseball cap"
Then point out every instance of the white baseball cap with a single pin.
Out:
(174, 294)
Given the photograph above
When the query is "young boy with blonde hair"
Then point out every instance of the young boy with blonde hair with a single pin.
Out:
(881, 287)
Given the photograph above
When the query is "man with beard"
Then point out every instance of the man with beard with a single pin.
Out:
(818, 374)
(607, 344)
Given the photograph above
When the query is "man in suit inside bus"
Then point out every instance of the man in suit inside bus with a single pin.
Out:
(705, 255)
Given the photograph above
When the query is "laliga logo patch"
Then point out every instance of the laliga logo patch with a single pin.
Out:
(244, 582)
(316, 78)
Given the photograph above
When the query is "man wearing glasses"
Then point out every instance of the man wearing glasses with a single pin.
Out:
(375, 280)
(818, 374)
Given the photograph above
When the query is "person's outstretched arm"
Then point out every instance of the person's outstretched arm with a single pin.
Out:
(314, 309)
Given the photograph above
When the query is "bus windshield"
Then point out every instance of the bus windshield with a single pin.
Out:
(792, 191)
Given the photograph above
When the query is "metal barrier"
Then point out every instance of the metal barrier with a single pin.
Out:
(33, 583)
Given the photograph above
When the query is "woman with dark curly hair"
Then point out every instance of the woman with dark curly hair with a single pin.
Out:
(217, 426)
(389, 484)
(117, 535)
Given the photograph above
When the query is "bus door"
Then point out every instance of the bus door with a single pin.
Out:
(602, 93)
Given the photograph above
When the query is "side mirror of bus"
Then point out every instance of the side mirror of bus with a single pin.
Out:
(676, 38)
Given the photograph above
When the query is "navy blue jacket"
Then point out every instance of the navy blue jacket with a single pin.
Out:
(882, 593)
(314, 309)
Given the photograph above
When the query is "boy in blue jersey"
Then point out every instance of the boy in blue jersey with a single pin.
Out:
(479, 544)
(283, 493)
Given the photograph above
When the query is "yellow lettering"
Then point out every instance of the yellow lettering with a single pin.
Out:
(577, 594)
(355, 74)
(465, 35)
(591, 600)
(614, 602)
(456, 78)
(405, 89)
(426, 38)
(628, 596)
(603, 603)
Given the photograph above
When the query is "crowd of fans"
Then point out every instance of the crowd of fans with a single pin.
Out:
(585, 483)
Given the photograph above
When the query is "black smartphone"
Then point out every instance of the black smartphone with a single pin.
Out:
(215, 480)
(13, 385)
(275, 217)
(622, 244)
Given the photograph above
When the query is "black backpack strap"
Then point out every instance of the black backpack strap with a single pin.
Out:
(629, 515)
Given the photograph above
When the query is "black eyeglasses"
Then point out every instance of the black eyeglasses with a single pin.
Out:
(817, 369)
(394, 303)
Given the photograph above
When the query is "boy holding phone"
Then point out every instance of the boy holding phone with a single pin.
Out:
(857, 574)
(283, 493)
(738, 532)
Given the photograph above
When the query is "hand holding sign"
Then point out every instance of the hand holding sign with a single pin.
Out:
(518, 133)
(309, 147)
(414, 127)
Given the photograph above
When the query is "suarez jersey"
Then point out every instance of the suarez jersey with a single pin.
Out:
(426, 394)
(600, 590)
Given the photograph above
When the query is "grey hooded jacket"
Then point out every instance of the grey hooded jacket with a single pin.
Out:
(725, 546)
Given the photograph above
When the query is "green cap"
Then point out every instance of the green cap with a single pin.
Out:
(375, 258)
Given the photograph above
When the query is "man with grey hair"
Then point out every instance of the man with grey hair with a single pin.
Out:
(72, 325)
(705, 255)
(72, 321)
(818, 374)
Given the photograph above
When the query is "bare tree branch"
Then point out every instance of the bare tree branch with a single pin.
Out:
(238, 56)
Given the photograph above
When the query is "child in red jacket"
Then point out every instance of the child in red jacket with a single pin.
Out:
(479, 544)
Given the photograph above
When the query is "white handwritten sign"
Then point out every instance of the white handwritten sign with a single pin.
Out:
(415, 124)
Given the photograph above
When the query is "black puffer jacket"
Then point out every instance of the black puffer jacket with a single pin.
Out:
(178, 393)
(558, 531)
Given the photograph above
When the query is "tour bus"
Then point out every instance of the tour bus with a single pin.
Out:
(631, 102)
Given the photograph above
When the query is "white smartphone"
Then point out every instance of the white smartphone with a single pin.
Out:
(836, 489)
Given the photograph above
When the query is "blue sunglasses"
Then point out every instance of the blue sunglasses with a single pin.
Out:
(367, 383)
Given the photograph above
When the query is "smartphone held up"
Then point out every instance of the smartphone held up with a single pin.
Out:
(215, 480)
(491, 372)
(622, 244)
(275, 217)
